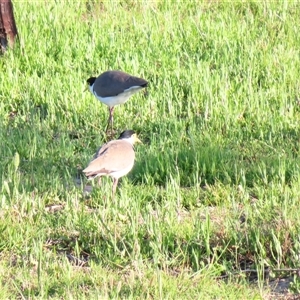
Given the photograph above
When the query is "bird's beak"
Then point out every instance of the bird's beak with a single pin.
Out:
(137, 140)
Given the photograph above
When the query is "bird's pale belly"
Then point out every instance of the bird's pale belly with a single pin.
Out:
(118, 99)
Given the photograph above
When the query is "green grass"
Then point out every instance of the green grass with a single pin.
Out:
(215, 189)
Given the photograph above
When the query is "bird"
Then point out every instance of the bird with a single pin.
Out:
(113, 88)
(114, 159)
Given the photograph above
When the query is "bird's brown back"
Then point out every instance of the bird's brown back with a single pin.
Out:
(111, 157)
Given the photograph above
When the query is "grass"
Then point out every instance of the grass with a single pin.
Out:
(215, 188)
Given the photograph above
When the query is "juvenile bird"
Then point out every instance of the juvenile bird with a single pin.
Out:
(113, 88)
(114, 159)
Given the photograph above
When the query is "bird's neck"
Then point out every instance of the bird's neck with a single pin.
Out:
(129, 141)
(91, 88)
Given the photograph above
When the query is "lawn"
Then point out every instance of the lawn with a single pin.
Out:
(211, 207)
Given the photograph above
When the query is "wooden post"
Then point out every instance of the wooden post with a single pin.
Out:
(8, 28)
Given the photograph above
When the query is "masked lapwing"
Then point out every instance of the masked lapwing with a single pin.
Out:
(113, 88)
(114, 159)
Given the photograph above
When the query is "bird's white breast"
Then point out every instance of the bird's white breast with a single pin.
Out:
(121, 173)
(118, 99)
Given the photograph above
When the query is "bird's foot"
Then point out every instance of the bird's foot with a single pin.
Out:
(110, 134)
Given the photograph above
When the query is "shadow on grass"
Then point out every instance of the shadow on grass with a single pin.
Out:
(196, 158)
(47, 153)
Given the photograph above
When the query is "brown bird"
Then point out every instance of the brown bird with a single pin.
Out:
(113, 88)
(114, 159)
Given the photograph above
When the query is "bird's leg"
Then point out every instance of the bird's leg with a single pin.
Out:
(114, 187)
(110, 119)
(99, 180)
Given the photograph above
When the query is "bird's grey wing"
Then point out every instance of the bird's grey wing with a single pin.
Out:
(112, 83)
(134, 81)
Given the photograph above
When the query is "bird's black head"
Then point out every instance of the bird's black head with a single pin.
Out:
(126, 134)
(91, 81)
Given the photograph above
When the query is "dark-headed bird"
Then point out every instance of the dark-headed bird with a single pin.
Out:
(113, 88)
